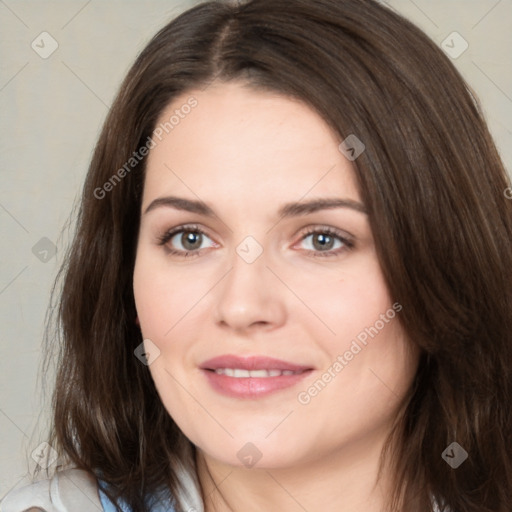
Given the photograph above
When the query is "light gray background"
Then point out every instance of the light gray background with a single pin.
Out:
(51, 113)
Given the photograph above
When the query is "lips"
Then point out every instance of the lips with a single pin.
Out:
(252, 377)
(239, 373)
(252, 363)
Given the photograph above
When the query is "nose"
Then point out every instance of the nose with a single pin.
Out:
(250, 297)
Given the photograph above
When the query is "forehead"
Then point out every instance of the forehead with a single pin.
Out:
(238, 141)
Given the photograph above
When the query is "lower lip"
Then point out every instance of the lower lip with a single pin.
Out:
(252, 387)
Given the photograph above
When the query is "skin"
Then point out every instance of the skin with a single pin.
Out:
(246, 153)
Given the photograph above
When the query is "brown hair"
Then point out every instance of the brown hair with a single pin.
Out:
(433, 184)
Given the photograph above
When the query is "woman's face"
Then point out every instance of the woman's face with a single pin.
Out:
(255, 257)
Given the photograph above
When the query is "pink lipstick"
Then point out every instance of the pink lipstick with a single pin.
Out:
(253, 376)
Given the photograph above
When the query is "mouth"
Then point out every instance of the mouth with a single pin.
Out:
(252, 377)
(239, 373)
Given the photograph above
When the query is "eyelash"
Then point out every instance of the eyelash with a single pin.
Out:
(168, 235)
(334, 233)
(347, 243)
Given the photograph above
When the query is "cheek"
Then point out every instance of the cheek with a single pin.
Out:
(165, 300)
(346, 302)
(163, 295)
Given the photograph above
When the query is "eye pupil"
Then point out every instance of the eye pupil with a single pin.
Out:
(191, 240)
(325, 241)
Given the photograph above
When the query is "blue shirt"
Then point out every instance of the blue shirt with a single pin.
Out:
(108, 506)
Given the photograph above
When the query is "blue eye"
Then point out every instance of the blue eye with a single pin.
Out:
(189, 241)
(326, 242)
(185, 240)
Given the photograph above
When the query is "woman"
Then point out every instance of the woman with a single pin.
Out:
(289, 287)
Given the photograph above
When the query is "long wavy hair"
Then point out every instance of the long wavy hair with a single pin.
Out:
(434, 186)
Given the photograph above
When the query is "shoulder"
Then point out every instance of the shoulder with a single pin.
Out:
(74, 490)
(68, 490)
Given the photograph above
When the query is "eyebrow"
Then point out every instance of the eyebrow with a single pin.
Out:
(288, 210)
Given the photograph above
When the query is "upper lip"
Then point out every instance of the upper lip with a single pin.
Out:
(251, 363)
